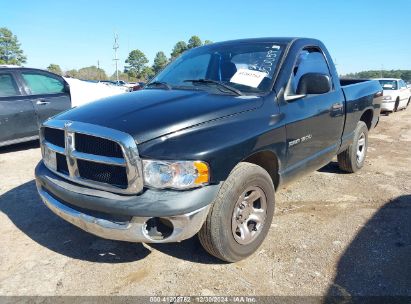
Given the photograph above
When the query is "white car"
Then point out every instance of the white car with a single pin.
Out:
(396, 94)
(83, 92)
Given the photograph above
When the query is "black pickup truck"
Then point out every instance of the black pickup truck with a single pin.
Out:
(204, 146)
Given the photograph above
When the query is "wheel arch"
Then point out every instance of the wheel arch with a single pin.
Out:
(269, 161)
(367, 118)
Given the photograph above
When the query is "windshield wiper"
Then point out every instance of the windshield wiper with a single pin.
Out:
(160, 84)
(219, 83)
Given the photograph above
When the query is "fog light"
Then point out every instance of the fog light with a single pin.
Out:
(158, 228)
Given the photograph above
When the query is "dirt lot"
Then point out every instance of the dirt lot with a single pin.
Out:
(332, 233)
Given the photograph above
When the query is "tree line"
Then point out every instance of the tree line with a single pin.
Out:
(403, 74)
(137, 63)
(137, 67)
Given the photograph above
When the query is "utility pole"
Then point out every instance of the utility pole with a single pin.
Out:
(98, 69)
(115, 48)
(382, 68)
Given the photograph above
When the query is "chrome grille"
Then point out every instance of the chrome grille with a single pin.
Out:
(94, 156)
(54, 136)
(97, 146)
(62, 164)
(114, 175)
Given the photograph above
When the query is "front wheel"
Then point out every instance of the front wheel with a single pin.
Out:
(353, 159)
(241, 215)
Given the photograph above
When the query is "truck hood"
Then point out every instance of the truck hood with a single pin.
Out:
(151, 113)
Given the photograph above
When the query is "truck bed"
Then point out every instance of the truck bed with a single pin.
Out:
(360, 94)
(348, 81)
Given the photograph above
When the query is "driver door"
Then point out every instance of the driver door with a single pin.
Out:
(315, 123)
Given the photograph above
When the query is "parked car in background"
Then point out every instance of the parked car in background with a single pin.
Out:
(27, 98)
(122, 84)
(396, 94)
(138, 86)
(85, 91)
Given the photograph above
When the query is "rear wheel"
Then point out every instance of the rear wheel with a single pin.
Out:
(397, 103)
(241, 215)
(352, 159)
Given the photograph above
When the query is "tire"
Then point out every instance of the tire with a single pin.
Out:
(217, 235)
(397, 103)
(353, 158)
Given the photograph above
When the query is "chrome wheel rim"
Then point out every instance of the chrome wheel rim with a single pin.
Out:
(361, 147)
(249, 214)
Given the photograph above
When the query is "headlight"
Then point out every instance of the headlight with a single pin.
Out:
(175, 175)
(387, 98)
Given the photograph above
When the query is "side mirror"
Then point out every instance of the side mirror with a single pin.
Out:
(314, 83)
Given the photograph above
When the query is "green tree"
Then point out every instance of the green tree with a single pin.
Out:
(146, 74)
(10, 51)
(179, 48)
(403, 74)
(91, 73)
(193, 42)
(160, 61)
(207, 42)
(122, 76)
(55, 68)
(136, 61)
(72, 73)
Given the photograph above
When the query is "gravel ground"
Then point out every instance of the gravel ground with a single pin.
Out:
(332, 234)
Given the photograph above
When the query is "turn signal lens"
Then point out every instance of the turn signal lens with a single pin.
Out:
(202, 173)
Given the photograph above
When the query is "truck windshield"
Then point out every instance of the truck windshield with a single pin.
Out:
(245, 68)
(388, 84)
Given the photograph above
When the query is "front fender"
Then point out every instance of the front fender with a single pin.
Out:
(222, 143)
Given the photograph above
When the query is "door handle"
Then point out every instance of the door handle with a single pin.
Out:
(337, 106)
(42, 102)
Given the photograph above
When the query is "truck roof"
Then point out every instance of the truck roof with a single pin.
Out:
(283, 40)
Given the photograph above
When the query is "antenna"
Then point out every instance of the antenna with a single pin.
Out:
(115, 48)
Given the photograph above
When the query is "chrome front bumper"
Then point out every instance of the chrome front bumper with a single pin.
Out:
(184, 226)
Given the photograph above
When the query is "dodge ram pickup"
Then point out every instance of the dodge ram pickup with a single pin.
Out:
(203, 147)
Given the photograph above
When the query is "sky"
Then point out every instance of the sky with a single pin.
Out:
(359, 34)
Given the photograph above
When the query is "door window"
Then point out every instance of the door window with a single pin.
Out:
(308, 61)
(8, 86)
(42, 84)
(402, 84)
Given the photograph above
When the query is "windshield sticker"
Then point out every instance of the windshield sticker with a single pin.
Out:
(270, 59)
(248, 77)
